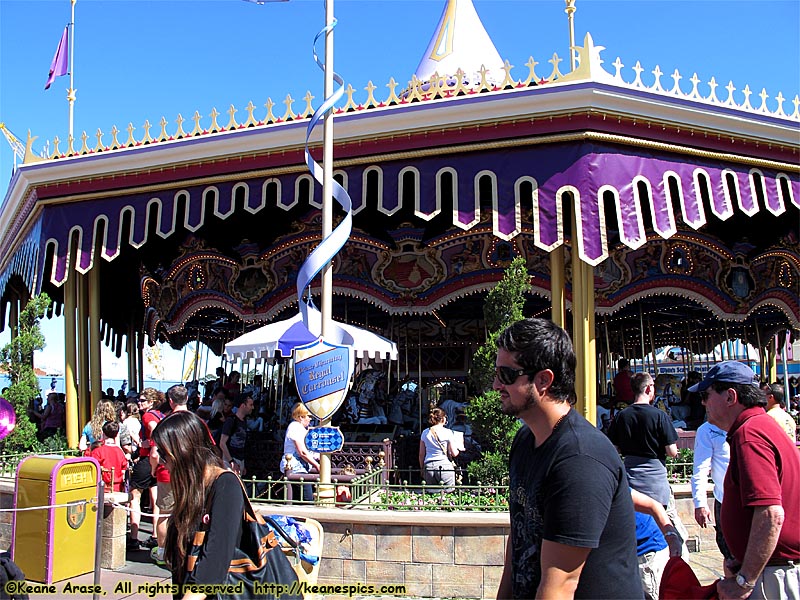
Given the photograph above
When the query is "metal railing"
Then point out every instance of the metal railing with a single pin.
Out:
(679, 471)
(10, 462)
(373, 490)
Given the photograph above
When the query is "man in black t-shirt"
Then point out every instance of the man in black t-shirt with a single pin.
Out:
(645, 437)
(233, 439)
(573, 530)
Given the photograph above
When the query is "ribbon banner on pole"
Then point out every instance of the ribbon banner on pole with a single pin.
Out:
(323, 368)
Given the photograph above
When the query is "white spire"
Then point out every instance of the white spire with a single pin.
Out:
(460, 42)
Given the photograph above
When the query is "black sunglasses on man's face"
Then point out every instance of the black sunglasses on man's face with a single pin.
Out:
(508, 375)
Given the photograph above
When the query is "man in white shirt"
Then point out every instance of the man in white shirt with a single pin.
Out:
(776, 409)
(711, 456)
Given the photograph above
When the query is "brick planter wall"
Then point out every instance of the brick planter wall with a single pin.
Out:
(434, 554)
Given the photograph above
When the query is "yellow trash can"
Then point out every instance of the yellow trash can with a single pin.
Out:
(53, 544)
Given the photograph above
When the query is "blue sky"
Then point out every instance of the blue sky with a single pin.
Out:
(141, 60)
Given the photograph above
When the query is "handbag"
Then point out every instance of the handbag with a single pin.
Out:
(257, 560)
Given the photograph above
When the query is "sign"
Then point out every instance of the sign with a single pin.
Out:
(324, 439)
(322, 375)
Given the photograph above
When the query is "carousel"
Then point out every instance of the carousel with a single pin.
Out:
(651, 211)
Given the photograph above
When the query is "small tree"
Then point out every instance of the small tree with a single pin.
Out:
(16, 358)
(494, 430)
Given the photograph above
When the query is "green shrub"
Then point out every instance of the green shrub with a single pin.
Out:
(16, 357)
(489, 500)
(491, 468)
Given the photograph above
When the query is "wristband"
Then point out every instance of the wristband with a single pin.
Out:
(672, 533)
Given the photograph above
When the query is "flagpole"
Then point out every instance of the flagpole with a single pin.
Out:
(71, 90)
(326, 491)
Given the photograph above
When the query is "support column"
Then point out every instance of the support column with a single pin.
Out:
(130, 349)
(140, 360)
(558, 310)
(95, 363)
(772, 357)
(73, 416)
(83, 347)
(583, 337)
(13, 316)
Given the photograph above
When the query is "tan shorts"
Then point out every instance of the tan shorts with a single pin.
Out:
(165, 500)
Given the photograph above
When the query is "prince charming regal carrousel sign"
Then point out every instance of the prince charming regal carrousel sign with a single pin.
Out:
(322, 373)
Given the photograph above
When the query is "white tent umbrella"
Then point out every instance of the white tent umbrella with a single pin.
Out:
(281, 336)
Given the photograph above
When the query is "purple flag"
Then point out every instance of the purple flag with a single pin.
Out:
(59, 65)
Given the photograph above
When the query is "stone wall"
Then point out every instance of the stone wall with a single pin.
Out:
(434, 554)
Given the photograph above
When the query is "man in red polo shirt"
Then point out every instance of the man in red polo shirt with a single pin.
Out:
(760, 518)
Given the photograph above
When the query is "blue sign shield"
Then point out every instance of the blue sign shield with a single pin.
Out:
(322, 374)
(324, 439)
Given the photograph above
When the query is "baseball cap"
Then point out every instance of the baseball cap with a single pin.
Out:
(729, 371)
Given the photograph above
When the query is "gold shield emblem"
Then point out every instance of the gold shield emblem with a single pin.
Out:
(76, 514)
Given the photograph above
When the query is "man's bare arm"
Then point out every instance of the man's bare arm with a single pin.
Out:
(561, 569)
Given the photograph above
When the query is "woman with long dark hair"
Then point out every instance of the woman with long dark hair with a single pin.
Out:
(204, 491)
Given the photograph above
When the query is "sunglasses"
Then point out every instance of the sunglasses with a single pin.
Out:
(508, 375)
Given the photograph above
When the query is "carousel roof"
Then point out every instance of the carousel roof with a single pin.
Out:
(654, 158)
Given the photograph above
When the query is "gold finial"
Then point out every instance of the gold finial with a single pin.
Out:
(84, 147)
(763, 95)
(99, 146)
(309, 109)
(508, 81)
(70, 142)
(114, 142)
(392, 99)
(232, 124)
(532, 76)
(163, 135)
(484, 81)
(146, 139)
(56, 150)
(198, 130)
(556, 74)
(434, 90)
(179, 132)
(289, 114)
(350, 104)
(268, 105)
(461, 89)
(251, 120)
(214, 125)
(370, 95)
(413, 89)
(131, 141)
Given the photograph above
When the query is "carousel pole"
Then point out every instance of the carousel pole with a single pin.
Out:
(326, 493)
(557, 277)
(83, 347)
(95, 364)
(73, 418)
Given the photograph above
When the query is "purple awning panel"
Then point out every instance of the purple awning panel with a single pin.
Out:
(641, 185)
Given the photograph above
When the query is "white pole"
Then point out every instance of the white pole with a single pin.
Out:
(326, 491)
(71, 90)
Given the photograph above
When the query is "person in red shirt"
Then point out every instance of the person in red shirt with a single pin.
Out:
(622, 382)
(113, 462)
(759, 516)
